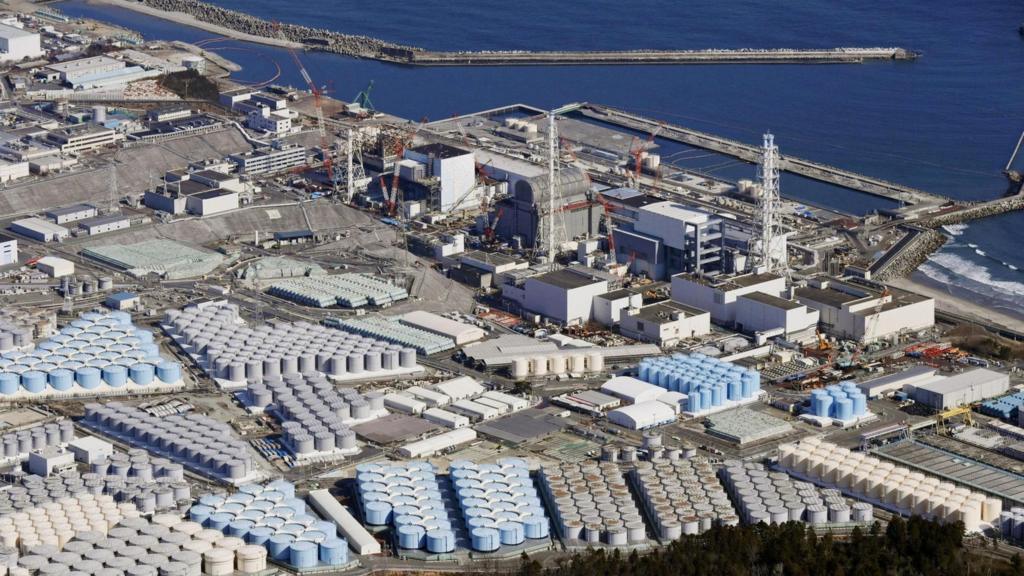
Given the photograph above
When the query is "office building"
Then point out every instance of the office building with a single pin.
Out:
(275, 158)
(83, 138)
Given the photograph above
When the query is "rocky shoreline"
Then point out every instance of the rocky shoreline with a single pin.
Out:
(907, 261)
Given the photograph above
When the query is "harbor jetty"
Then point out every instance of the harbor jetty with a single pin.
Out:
(251, 28)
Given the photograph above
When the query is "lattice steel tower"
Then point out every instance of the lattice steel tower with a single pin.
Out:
(768, 203)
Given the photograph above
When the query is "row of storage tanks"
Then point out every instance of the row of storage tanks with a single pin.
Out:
(94, 350)
(153, 484)
(270, 516)
(20, 443)
(591, 503)
(349, 290)
(557, 364)
(499, 503)
(707, 381)
(409, 497)
(194, 440)
(154, 494)
(164, 545)
(396, 332)
(683, 497)
(315, 415)
(840, 401)
(19, 327)
(894, 487)
(775, 498)
(1011, 524)
(238, 353)
(56, 523)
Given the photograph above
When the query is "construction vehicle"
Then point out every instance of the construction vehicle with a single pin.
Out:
(823, 343)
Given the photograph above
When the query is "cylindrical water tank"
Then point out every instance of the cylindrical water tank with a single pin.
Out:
(33, 381)
(333, 552)
(485, 539)
(168, 372)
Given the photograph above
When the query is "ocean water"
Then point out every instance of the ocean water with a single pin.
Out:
(946, 122)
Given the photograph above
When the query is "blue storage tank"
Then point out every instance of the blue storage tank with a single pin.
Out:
(303, 554)
(33, 381)
(212, 500)
(260, 535)
(821, 404)
(168, 372)
(511, 533)
(240, 528)
(279, 547)
(844, 409)
(141, 373)
(334, 552)
(9, 383)
(705, 398)
(115, 376)
(860, 404)
(693, 402)
(219, 521)
(378, 513)
(485, 539)
(199, 514)
(734, 390)
(717, 395)
(411, 537)
(88, 377)
(535, 527)
(748, 388)
(440, 541)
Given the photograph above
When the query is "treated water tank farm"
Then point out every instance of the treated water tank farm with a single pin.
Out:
(15, 446)
(99, 353)
(499, 504)
(839, 401)
(887, 485)
(54, 524)
(235, 353)
(408, 497)
(394, 331)
(592, 504)
(274, 518)
(683, 497)
(19, 327)
(775, 498)
(196, 441)
(315, 416)
(709, 383)
(348, 290)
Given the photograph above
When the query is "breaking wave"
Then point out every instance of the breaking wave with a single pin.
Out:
(955, 229)
(945, 267)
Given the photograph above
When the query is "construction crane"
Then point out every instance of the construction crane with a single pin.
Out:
(945, 416)
(363, 98)
(321, 126)
(490, 230)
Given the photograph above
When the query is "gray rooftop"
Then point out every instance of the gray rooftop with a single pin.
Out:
(565, 279)
(770, 300)
(73, 209)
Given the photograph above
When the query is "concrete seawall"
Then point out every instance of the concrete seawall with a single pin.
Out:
(249, 28)
(912, 255)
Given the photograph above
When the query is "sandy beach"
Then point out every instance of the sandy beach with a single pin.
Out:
(947, 302)
(188, 20)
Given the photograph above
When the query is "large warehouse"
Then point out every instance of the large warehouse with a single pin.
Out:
(643, 415)
(632, 390)
(17, 44)
(967, 387)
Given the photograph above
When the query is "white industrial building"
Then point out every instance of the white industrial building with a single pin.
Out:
(263, 119)
(72, 71)
(632, 390)
(944, 392)
(514, 403)
(719, 296)
(13, 169)
(865, 311)
(460, 332)
(475, 410)
(435, 444)
(49, 460)
(403, 403)
(455, 169)
(39, 229)
(445, 418)
(55, 267)
(83, 138)
(609, 307)
(669, 238)
(277, 157)
(665, 323)
(431, 398)
(8, 250)
(72, 213)
(460, 388)
(90, 449)
(564, 296)
(104, 224)
(643, 415)
(883, 385)
(18, 44)
(211, 202)
(767, 315)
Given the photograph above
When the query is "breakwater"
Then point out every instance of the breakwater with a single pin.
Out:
(321, 39)
(908, 256)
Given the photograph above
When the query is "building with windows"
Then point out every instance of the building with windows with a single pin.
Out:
(39, 229)
(669, 238)
(862, 310)
(103, 224)
(8, 250)
(275, 158)
(83, 137)
(264, 119)
(72, 213)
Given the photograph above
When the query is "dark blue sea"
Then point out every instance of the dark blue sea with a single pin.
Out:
(945, 123)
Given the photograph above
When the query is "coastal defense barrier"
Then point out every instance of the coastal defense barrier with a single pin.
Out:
(358, 46)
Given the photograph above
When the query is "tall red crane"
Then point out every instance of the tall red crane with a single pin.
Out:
(317, 93)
